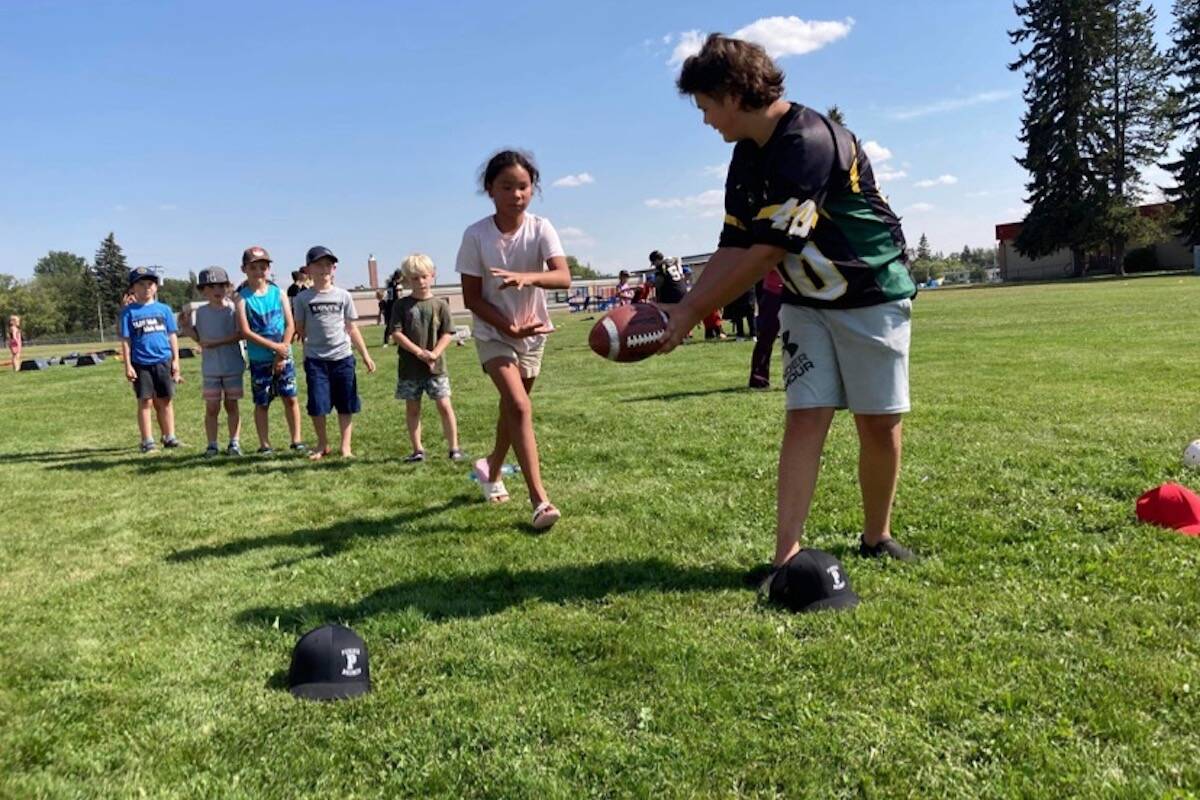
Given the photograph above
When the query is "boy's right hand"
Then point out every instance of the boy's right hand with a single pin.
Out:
(130, 375)
(282, 350)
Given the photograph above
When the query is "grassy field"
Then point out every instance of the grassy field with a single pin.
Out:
(1046, 645)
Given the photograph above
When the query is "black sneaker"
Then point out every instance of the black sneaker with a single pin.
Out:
(886, 548)
(415, 457)
(211, 451)
(265, 450)
(457, 455)
(298, 447)
(755, 576)
(234, 449)
(170, 442)
(148, 446)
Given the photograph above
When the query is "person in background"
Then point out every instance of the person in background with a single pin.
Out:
(15, 341)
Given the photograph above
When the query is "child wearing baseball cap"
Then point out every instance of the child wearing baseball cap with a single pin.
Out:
(150, 349)
(325, 318)
(214, 326)
(265, 322)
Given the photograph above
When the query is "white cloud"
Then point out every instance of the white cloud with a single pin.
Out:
(689, 44)
(919, 208)
(666, 39)
(792, 36)
(703, 201)
(779, 36)
(984, 193)
(572, 181)
(876, 152)
(941, 180)
(887, 174)
(953, 104)
(570, 235)
(716, 171)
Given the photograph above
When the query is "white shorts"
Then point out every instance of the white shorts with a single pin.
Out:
(855, 358)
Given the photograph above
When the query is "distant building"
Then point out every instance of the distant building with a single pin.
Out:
(1170, 254)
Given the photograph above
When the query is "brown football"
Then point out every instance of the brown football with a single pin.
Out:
(629, 333)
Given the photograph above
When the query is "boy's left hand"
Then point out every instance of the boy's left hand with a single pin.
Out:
(176, 374)
(370, 364)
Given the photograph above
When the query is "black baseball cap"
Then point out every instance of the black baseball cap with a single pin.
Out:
(212, 276)
(811, 581)
(318, 252)
(329, 663)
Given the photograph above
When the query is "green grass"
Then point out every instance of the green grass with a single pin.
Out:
(1046, 645)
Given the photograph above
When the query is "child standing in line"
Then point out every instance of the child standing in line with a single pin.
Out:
(422, 328)
(15, 341)
(150, 349)
(265, 322)
(507, 260)
(325, 318)
(214, 327)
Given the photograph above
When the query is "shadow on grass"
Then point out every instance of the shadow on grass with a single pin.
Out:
(59, 455)
(482, 594)
(686, 395)
(237, 466)
(330, 540)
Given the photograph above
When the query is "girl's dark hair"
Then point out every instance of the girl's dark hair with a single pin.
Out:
(505, 159)
(727, 67)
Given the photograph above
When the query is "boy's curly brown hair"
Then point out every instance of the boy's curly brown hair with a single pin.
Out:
(726, 67)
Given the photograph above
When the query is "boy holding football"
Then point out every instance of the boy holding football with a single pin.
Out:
(800, 197)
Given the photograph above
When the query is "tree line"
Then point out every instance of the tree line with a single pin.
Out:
(1104, 104)
(68, 296)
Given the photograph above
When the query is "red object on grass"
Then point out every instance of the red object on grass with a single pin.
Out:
(1171, 506)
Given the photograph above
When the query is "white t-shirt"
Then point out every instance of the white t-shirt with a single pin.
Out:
(526, 249)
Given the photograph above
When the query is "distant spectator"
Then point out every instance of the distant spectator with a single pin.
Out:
(15, 341)
(625, 293)
(769, 292)
(741, 311)
(670, 282)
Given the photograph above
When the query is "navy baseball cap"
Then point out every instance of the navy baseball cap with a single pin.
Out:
(142, 273)
(329, 663)
(211, 276)
(318, 252)
(811, 581)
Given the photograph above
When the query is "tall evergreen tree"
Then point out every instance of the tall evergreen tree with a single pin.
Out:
(1060, 72)
(111, 274)
(1132, 126)
(923, 251)
(835, 114)
(1185, 55)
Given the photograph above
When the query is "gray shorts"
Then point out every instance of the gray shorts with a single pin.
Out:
(214, 387)
(436, 386)
(855, 358)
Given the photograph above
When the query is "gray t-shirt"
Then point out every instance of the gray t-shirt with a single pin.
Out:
(324, 317)
(218, 323)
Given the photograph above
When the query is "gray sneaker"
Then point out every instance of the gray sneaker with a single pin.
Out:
(148, 446)
(211, 451)
(234, 449)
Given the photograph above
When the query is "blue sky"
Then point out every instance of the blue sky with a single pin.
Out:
(194, 130)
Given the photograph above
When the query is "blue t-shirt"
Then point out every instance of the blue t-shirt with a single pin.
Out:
(148, 328)
(264, 312)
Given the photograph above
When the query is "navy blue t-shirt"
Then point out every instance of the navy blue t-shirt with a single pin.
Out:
(148, 328)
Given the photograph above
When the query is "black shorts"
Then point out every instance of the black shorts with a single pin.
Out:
(153, 380)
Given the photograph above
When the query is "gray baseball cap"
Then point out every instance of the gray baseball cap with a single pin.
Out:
(212, 275)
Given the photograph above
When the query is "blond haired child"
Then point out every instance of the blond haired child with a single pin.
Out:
(15, 341)
(421, 326)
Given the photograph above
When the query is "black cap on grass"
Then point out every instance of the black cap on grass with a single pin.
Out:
(329, 663)
(811, 581)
